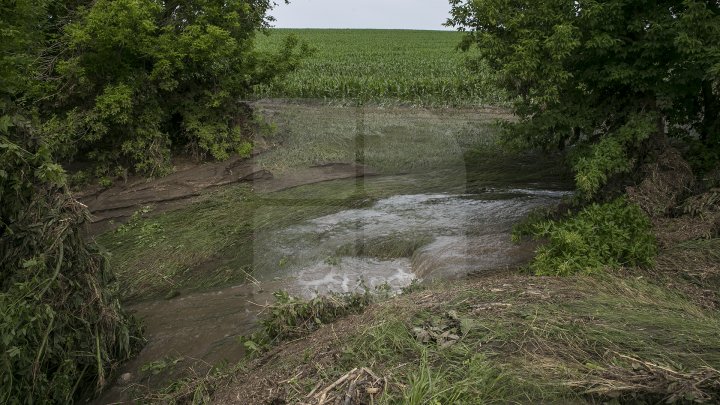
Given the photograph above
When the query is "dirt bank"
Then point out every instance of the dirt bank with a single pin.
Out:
(505, 338)
(115, 205)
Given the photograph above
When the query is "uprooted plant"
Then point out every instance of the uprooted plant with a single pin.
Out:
(290, 317)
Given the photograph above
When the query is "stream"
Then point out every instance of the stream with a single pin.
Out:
(452, 229)
(420, 206)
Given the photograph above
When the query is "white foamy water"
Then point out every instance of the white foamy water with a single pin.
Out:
(352, 274)
(464, 234)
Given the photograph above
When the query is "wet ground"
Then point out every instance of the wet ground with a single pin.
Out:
(426, 223)
(388, 243)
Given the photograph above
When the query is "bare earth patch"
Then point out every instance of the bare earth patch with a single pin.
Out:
(113, 206)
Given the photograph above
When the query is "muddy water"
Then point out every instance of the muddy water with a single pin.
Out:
(419, 230)
(459, 233)
(432, 211)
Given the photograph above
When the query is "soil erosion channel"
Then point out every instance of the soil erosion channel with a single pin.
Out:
(381, 231)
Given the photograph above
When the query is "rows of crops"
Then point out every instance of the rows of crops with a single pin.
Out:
(415, 67)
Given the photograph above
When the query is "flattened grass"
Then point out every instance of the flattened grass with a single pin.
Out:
(519, 339)
(389, 140)
(210, 243)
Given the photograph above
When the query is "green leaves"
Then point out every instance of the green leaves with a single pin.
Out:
(600, 236)
(611, 155)
(582, 72)
(134, 79)
(5, 124)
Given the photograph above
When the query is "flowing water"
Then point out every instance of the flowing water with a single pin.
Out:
(447, 232)
(443, 222)
(459, 234)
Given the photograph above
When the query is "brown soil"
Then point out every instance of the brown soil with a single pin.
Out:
(112, 206)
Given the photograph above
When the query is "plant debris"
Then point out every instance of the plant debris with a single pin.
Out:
(357, 387)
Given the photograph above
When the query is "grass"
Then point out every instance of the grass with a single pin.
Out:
(513, 339)
(382, 66)
(385, 247)
(697, 261)
(210, 243)
(389, 140)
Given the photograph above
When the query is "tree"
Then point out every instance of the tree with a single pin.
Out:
(119, 82)
(125, 82)
(606, 79)
(62, 330)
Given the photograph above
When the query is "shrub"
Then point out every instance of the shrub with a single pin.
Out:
(62, 331)
(133, 80)
(600, 236)
(606, 79)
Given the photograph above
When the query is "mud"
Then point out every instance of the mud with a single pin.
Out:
(115, 205)
(425, 194)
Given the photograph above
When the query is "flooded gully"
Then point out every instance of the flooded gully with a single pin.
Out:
(419, 204)
(396, 240)
(447, 232)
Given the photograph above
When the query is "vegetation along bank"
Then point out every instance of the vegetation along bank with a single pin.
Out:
(619, 302)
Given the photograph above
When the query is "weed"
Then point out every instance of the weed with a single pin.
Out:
(63, 331)
(289, 317)
(603, 236)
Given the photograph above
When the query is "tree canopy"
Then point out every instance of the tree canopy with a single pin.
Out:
(608, 79)
(120, 83)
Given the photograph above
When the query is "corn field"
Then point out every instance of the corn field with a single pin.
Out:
(383, 66)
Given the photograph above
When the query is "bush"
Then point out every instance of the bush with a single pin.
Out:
(62, 331)
(605, 79)
(133, 80)
(600, 236)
